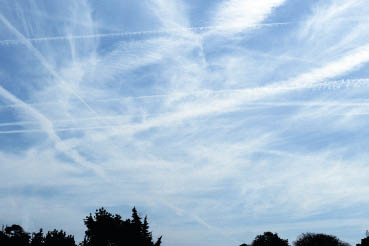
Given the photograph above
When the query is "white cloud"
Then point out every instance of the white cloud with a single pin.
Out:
(238, 15)
(192, 122)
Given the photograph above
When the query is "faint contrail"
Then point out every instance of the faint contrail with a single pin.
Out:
(119, 117)
(48, 127)
(36, 130)
(42, 60)
(326, 85)
(198, 220)
(23, 123)
(333, 85)
(127, 34)
(58, 129)
(149, 32)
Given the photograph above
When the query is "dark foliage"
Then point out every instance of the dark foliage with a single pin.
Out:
(269, 239)
(37, 238)
(58, 238)
(106, 229)
(14, 236)
(313, 239)
(364, 242)
(103, 229)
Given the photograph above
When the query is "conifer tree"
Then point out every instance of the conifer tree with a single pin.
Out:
(158, 242)
(147, 235)
(105, 229)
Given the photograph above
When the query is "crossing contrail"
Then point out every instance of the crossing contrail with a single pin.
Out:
(326, 85)
(120, 117)
(127, 34)
(23, 40)
(148, 32)
(44, 121)
(48, 128)
(332, 85)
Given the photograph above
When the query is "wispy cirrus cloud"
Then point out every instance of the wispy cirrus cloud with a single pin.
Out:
(239, 15)
(201, 130)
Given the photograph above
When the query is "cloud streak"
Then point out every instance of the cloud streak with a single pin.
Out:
(41, 59)
(128, 34)
(240, 15)
(213, 112)
(47, 127)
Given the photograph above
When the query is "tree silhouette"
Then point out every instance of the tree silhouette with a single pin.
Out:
(37, 238)
(106, 229)
(312, 239)
(269, 239)
(158, 242)
(14, 236)
(58, 238)
(4, 239)
(137, 228)
(103, 229)
(364, 242)
(146, 234)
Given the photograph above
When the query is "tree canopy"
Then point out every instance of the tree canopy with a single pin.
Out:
(106, 229)
(317, 239)
(102, 229)
(269, 239)
(15, 236)
(364, 242)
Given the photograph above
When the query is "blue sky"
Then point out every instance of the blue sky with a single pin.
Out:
(219, 119)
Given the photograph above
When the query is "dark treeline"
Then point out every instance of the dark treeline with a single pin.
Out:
(106, 229)
(102, 229)
(305, 239)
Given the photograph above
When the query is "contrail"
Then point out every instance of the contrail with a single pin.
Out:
(198, 220)
(48, 127)
(326, 85)
(67, 129)
(149, 32)
(24, 123)
(125, 126)
(48, 67)
(59, 129)
(119, 117)
(127, 34)
(333, 85)
(42, 60)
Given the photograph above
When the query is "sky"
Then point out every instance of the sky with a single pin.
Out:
(219, 119)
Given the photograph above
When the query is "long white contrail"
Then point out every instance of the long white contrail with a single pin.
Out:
(47, 126)
(326, 85)
(141, 33)
(25, 123)
(333, 85)
(128, 34)
(118, 117)
(22, 39)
